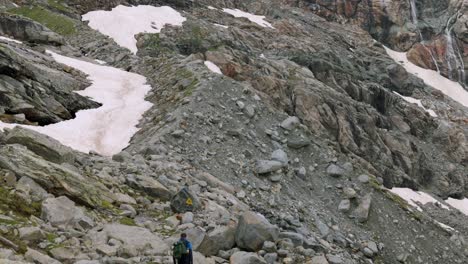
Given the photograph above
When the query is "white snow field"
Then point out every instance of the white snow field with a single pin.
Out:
(418, 102)
(212, 67)
(259, 20)
(9, 40)
(432, 78)
(414, 197)
(122, 23)
(107, 129)
(461, 205)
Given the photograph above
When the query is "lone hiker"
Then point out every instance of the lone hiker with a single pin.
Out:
(182, 251)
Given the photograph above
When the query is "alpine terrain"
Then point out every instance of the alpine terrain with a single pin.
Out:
(268, 131)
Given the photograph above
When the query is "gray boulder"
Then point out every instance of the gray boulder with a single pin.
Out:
(185, 201)
(221, 238)
(42, 145)
(62, 211)
(335, 170)
(290, 123)
(37, 257)
(242, 257)
(150, 186)
(134, 240)
(281, 156)
(253, 230)
(35, 191)
(296, 238)
(266, 166)
(361, 213)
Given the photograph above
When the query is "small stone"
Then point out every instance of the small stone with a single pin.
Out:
(271, 258)
(240, 104)
(290, 123)
(335, 170)
(269, 246)
(7, 178)
(266, 166)
(31, 234)
(349, 193)
(301, 173)
(187, 218)
(344, 205)
(281, 156)
(367, 252)
(178, 133)
(361, 213)
(363, 178)
(319, 260)
(240, 194)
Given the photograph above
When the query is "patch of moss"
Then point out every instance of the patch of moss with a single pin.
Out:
(189, 90)
(107, 205)
(57, 4)
(193, 42)
(55, 22)
(127, 221)
(22, 247)
(10, 201)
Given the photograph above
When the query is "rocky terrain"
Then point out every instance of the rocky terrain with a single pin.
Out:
(287, 154)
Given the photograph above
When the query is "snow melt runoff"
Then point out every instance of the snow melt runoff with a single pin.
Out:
(122, 23)
(107, 129)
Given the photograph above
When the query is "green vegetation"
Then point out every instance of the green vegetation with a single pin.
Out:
(193, 43)
(127, 221)
(55, 22)
(10, 201)
(57, 4)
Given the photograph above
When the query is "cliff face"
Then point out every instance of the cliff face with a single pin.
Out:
(433, 32)
(279, 131)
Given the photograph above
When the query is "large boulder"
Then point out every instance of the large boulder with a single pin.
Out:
(134, 240)
(150, 186)
(361, 213)
(53, 177)
(62, 211)
(253, 230)
(220, 238)
(185, 201)
(242, 257)
(42, 145)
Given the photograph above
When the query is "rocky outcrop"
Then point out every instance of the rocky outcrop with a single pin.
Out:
(27, 30)
(53, 177)
(33, 85)
(44, 146)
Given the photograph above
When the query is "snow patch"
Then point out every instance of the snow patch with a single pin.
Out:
(100, 62)
(212, 8)
(446, 227)
(461, 205)
(9, 40)
(418, 102)
(122, 23)
(259, 20)
(432, 78)
(219, 25)
(212, 67)
(414, 197)
(107, 129)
